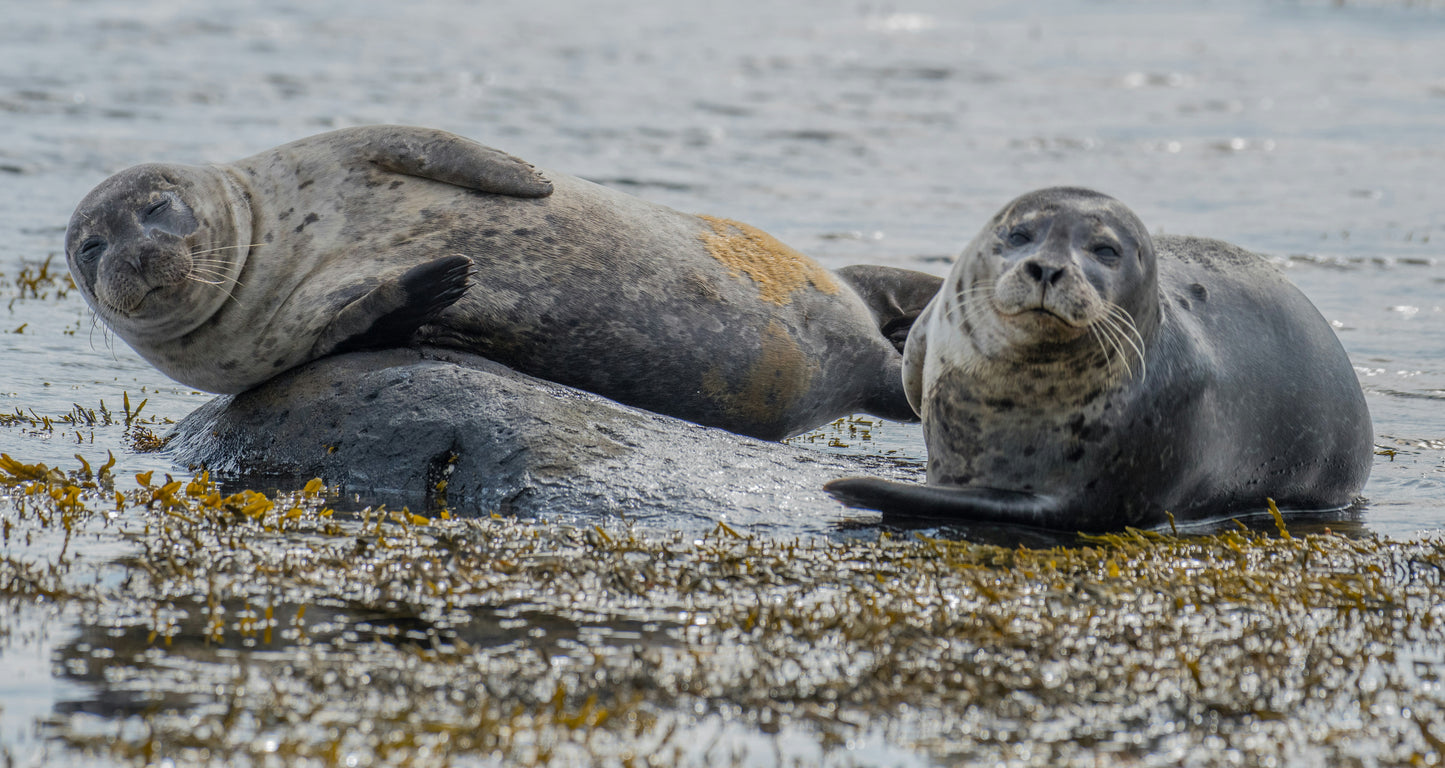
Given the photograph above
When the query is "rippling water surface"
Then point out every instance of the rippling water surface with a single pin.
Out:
(856, 132)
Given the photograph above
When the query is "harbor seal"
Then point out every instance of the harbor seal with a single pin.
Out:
(1074, 373)
(223, 276)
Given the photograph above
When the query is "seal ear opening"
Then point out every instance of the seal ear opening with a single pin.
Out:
(895, 296)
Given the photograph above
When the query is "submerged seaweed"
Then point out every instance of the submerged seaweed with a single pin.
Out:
(250, 629)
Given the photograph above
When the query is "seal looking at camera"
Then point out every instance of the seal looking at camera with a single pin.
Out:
(1074, 373)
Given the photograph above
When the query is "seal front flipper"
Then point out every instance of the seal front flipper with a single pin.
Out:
(894, 296)
(957, 504)
(450, 159)
(390, 313)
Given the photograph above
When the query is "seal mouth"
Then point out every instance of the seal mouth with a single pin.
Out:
(131, 307)
(133, 304)
(144, 297)
(1041, 315)
(1042, 324)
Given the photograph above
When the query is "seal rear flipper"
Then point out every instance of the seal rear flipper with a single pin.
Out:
(894, 296)
(955, 504)
(450, 159)
(389, 314)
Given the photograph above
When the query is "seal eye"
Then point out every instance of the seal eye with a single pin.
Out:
(156, 208)
(1107, 254)
(1019, 237)
(91, 249)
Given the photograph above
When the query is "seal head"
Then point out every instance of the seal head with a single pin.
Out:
(1062, 278)
(156, 249)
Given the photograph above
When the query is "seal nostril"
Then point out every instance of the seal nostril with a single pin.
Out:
(1042, 273)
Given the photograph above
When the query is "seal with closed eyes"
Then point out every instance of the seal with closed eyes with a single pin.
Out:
(1074, 373)
(223, 276)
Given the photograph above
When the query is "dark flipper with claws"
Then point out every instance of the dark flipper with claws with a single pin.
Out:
(390, 313)
(953, 504)
(895, 296)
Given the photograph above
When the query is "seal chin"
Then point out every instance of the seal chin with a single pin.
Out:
(146, 302)
(131, 302)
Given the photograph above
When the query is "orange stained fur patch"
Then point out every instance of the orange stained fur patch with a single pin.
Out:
(777, 269)
(774, 383)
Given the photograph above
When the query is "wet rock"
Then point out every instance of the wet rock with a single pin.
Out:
(431, 427)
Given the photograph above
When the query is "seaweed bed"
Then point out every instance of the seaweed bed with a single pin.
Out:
(271, 630)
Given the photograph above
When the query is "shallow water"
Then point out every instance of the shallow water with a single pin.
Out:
(864, 133)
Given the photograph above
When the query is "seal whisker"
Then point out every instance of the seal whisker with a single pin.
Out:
(1127, 320)
(220, 265)
(1110, 328)
(210, 272)
(209, 275)
(208, 279)
(224, 248)
(1108, 334)
(217, 285)
(976, 291)
(1106, 345)
(1129, 332)
(972, 290)
(105, 335)
(964, 299)
(1126, 344)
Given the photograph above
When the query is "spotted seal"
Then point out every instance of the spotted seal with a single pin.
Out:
(1074, 373)
(223, 276)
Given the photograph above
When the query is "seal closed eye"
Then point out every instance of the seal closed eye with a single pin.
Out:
(1074, 373)
(223, 276)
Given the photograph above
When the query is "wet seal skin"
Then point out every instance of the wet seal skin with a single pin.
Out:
(428, 427)
(1074, 373)
(223, 276)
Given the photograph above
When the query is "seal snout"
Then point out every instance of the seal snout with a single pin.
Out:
(1040, 287)
(131, 273)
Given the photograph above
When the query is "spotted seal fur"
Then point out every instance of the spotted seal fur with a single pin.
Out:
(223, 276)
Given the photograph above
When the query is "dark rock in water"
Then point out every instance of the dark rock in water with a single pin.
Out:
(395, 424)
